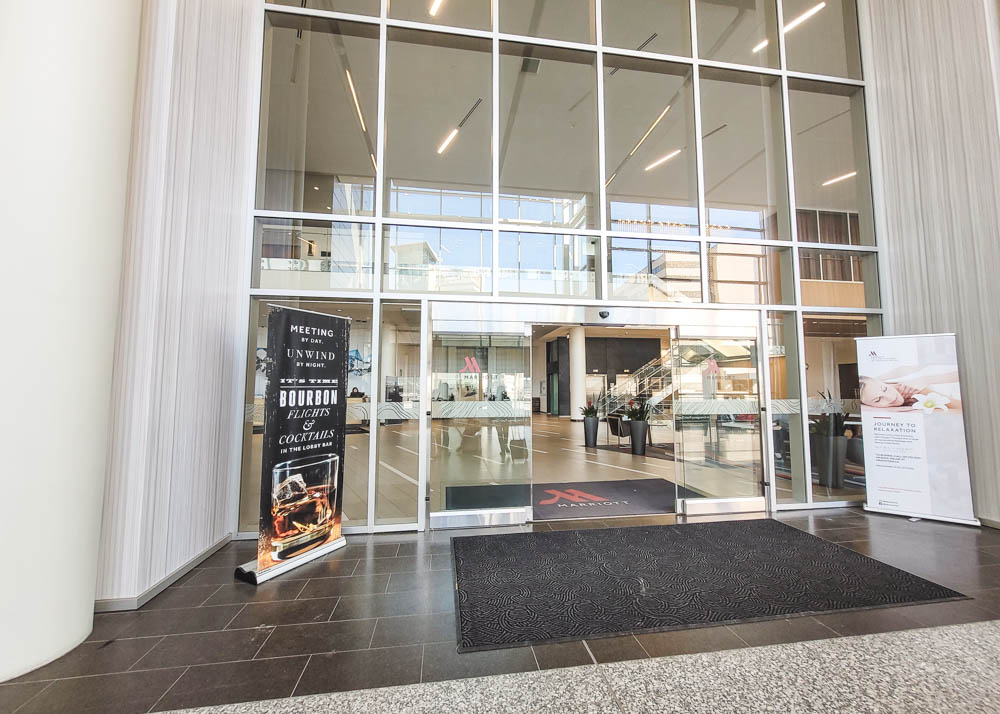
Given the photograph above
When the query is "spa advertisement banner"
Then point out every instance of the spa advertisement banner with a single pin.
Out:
(916, 463)
(305, 412)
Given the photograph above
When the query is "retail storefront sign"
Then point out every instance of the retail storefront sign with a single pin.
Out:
(302, 462)
(916, 462)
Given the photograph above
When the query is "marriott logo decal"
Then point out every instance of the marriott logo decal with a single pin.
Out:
(574, 498)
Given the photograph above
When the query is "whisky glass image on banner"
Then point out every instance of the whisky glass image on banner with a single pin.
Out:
(303, 497)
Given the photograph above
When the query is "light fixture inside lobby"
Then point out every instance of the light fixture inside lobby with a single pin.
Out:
(793, 24)
(357, 104)
(454, 132)
(650, 130)
(435, 6)
(663, 159)
(838, 179)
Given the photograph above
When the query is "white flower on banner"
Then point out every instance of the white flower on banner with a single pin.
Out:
(931, 402)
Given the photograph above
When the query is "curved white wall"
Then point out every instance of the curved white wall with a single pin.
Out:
(67, 85)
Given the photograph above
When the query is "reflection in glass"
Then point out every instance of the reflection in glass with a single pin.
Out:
(786, 408)
(750, 274)
(425, 259)
(548, 136)
(355, 500)
(717, 417)
(358, 7)
(481, 421)
(474, 14)
(652, 183)
(662, 26)
(398, 450)
(740, 32)
(830, 156)
(835, 432)
(838, 278)
(318, 112)
(654, 270)
(823, 38)
(439, 166)
(312, 255)
(746, 190)
(570, 20)
(542, 264)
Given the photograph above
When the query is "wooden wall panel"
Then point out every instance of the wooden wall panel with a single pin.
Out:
(174, 446)
(933, 105)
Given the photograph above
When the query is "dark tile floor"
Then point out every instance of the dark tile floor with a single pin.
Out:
(381, 612)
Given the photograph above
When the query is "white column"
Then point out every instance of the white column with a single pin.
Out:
(68, 84)
(577, 372)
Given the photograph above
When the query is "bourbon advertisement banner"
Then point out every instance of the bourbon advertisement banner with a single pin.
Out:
(916, 462)
(302, 462)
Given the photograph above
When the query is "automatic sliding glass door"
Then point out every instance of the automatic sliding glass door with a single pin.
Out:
(480, 453)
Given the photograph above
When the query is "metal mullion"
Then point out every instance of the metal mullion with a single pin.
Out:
(643, 54)
(306, 216)
(427, 223)
(828, 79)
(357, 295)
(443, 29)
(423, 414)
(739, 67)
(764, 404)
(377, 270)
(548, 230)
(796, 271)
(602, 283)
(833, 247)
(373, 414)
(495, 144)
(699, 156)
(545, 41)
(329, 14)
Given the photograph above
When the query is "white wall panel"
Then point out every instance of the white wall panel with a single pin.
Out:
(935, 129)
(174, 453)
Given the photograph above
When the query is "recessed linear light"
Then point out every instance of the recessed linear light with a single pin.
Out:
(663, 159)
(610, 180)
(793, 24)
(840, 178)
(435, 6)
(357, 104)
(650, 130)
(374, 163)
(447, 140)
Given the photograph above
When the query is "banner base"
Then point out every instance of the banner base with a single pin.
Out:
(248, 571)
(925, 516)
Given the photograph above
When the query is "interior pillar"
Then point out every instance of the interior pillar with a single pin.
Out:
(577, 372)
(68, 86)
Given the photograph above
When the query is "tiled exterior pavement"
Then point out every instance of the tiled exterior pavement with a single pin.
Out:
(380, 612)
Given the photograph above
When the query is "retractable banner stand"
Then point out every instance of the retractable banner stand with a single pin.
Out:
(916, 462)
(302, 463)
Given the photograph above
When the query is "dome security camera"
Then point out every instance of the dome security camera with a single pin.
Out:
(604, 314)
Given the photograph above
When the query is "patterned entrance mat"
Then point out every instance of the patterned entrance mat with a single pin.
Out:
(528, 588)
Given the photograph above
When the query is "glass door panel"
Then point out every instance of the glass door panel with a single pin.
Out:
(717, 417)
(480, 421)
(397, 469)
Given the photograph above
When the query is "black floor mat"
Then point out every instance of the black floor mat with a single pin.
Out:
(528, 588)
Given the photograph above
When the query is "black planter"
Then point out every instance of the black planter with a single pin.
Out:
(590, 425)
(638, 431)
(829, 454)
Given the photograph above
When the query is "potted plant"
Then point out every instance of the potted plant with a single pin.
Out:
(637, 414)
(828, 442)
(590, 423)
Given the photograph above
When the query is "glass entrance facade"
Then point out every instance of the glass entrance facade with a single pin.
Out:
(587, 153)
